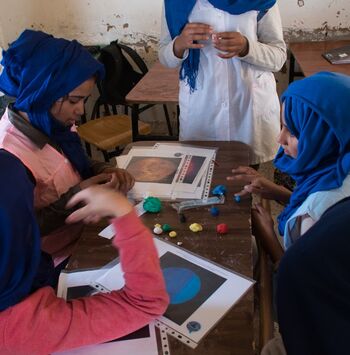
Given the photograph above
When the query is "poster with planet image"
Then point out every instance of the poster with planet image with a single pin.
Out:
(155, 172)
(195, 166)
(168, 171)
(188, 285)
(160, 170)
(200, 291)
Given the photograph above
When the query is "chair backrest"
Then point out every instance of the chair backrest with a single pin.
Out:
(121, 76)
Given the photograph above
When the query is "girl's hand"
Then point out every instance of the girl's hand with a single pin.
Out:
(96, 180)
(232, 43)
(254, 182)
(121, 180)
(263, 230)
(189, 36)
(98, 202)
(263, 217)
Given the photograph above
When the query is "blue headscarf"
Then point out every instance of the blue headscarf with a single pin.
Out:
(19, 233)
(317, 112)
(177, 13)
(40, 69)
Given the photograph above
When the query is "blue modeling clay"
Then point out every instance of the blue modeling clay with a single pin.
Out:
(237, 198)
(219, 190)
(193, 326)
(214, 211)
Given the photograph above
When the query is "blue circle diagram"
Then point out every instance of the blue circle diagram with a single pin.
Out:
(182, 284)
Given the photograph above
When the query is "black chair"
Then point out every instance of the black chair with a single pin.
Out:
(107, 129)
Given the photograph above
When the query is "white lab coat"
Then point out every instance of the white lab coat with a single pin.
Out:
(236, 98)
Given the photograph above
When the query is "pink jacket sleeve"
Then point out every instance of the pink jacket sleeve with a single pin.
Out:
(43, 323)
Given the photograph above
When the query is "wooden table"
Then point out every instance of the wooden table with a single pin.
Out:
(160, 85)
(309, 57)
(234, 334)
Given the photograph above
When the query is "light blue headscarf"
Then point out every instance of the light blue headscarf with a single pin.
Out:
(317, 112)
(177, 13)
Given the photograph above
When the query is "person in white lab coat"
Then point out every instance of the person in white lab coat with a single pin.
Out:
(227, 51)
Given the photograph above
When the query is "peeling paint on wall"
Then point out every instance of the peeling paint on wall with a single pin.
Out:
(318, 34)
(145, 45)
(109, 27)
(138, 25)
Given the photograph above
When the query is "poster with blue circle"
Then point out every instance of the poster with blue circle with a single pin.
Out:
(188, 286)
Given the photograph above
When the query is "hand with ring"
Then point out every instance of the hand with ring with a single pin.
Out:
(258, 184)
(230, 44)
(189, 36)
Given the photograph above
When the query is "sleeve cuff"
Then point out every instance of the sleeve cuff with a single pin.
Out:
(250, 50)
(173, 60)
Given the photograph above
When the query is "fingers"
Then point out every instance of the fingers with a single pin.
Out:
(244, 170)
(248, 190)
(194, 32)
(78, 215)
(103, 177)
(100, 179)
(81, 196)
(121, 181)
(227, 46)
(241, 178)
(243, 193)
(114, 183)
(121, 175)
(130, 181)
(231, 43)
(246, 175)
(226, 56)
(92, 219)
(84, 214)
(197, 28)
(226, 38)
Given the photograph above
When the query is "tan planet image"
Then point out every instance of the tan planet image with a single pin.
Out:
(153, 169)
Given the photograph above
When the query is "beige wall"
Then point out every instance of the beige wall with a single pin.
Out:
(138, 22)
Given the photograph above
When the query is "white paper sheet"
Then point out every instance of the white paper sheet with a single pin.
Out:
(154, 170)
(211, 308)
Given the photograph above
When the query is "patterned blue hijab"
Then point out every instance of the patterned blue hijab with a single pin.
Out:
(40, 69)
(177, 13)
(19, 233)
(317, 113)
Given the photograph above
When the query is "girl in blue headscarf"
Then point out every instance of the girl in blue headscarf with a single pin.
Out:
(315, 142)
(50, 79)
(33, 320)
(226, 51)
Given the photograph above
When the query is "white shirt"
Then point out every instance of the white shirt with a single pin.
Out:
(236, 98)
(311, 211)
